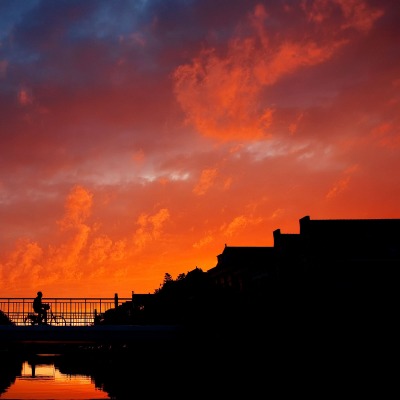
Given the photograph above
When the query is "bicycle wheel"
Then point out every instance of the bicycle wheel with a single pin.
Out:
(57, 320)
(29, 320)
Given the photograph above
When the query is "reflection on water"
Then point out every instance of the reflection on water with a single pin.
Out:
(40, 378)
(107, 373)
(247, 361)
(242, 364)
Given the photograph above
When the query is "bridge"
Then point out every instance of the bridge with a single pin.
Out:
(12, 336)
(73, 311)
(79, 328)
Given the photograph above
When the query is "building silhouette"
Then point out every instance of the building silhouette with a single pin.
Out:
(340, 253)
(342, 269)
(337, 270)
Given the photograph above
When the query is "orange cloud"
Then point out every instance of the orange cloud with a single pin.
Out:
(342, 184)
(77, 208)
(203, 242)
(238, 223)
(358, 14)
(99, 250)
(221, 95)
(387, 135)
(206, 181)
(150, 227)
(42, 266)
(23, 266)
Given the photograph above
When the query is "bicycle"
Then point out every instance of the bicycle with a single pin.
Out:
(54, 320)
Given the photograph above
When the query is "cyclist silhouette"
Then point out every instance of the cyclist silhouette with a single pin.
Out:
(40, 308)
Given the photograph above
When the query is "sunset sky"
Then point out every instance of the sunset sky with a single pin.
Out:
(139, 137)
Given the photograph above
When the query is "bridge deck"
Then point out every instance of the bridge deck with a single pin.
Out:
(11, 335)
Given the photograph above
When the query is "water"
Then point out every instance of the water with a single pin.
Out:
(43, 377)
(288, 362)
(182, 370)
(104, 372)
(224, 367)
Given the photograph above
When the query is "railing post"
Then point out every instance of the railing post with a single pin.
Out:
(116, 300)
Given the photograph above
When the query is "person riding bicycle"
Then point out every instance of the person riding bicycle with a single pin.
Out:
(40, 308)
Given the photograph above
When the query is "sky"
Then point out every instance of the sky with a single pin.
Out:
(139, 137)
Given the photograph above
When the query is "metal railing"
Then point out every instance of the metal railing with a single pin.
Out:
(76, 311)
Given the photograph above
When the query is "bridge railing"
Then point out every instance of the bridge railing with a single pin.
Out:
(76, 311)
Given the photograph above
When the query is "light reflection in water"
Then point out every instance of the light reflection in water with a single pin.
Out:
(158, 368)
(41, 379)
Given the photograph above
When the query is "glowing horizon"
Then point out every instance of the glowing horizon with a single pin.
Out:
(139, 140)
